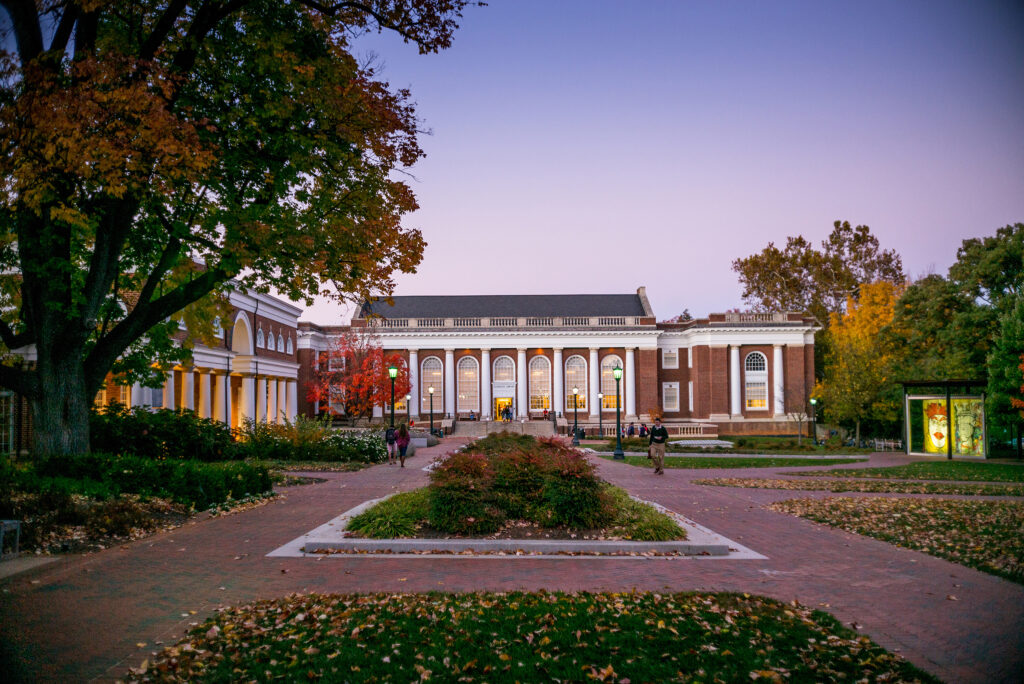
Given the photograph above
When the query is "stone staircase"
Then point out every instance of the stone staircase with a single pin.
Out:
(479, 428)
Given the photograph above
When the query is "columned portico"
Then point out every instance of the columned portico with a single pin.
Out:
(522, 396)
(779, 384)
(594, 384)
(261, 399)
(449, 382)
(293, 399)
(558, 375)
(272, 401)
(221, 399)
(205, 395)
(630, 382)
(734, 381)
(247, 400)
(169, 402)
(187, 389)
(485, 384)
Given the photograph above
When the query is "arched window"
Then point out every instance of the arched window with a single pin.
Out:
(504, 369)
(468, 385)
(280, 342)
(575, 376)
(218, 331)
(290, 347)
(432, 375)
(259, 338)
(540, 383)
(608, 364)
(755, 368)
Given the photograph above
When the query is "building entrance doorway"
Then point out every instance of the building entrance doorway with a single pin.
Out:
(500, 404)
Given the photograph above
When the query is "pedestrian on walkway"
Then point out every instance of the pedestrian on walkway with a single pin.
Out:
(391, 439)
(659, 436)
(402, 440)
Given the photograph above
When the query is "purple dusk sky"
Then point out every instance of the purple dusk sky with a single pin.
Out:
(591, 146)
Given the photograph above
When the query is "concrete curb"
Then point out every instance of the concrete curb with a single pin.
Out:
(542, 546)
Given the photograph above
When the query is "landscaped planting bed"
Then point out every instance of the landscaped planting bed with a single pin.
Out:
(632, 637)
(981, 534)
(708, 462)
(938, 470)
(890, 486)
(516, 486)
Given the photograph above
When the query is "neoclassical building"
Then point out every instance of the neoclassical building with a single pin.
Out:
(538, 354)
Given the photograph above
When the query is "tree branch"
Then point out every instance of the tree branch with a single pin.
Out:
(63, 33)
(27, 31)
(12, 340)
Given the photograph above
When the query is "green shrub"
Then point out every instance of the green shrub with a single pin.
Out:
(177, 435)
(309, 439)
(573, 494)
(461, 500)
(397, 516)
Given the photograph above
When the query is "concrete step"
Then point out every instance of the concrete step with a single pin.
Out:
(474, 428)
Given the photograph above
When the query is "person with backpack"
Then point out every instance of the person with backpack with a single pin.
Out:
(402, 440)
(391, 439)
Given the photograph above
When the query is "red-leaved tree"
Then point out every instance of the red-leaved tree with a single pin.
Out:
(353, 374)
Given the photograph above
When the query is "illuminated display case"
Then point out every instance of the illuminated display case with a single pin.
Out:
(945, 424)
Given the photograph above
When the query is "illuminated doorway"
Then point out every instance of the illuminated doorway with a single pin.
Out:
(500, 404)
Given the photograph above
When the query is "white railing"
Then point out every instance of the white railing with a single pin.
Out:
(611, 320)
(576, 320)
(466, 322)
(430, 322)
(546, 321)
(504, 322)
(512, 322)
(755, 318)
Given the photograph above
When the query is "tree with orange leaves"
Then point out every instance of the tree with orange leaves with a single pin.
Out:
(153, 151)
(352, 376)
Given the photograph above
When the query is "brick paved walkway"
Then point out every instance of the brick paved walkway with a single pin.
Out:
(81, 617)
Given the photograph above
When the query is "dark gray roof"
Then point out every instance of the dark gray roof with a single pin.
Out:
(506, 305)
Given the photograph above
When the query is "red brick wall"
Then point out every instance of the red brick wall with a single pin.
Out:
(648, 390)
(797, 391)
(682, 375)
(719, 372)
(701, 376)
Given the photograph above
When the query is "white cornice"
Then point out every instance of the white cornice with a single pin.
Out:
(261, 366)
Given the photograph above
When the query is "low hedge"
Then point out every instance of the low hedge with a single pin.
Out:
(505, 476)
(310, 440)
(103, 476)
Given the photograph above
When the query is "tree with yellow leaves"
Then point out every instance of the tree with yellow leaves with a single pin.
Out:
(857, 384)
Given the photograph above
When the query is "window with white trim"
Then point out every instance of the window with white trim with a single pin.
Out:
(122, 394)
(259, 338)
(468, 382)
(755, 368)
(280, 342)
(289, 348)
(670, 358)
(337, 400)
(670, 396)
(608, 365)
(432, 375)
(540, 383)
(504, 369)
(575, 376)
(101, 398)
(218, 331)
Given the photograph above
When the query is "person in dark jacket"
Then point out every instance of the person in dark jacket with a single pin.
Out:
(658, 439)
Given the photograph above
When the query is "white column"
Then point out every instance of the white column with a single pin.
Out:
(261, 399)
(221, 399)
(485, 384)
(272, 400)
(595, 384)
(414, 384)
(734, 380)
(293, 399)
(779, 386)
(522, 396)
(188, 389)
(247, 399)
(137, 394)
(283, 413)
(169, 391)
(558, 376)
(204, 395)
(629, 380)
(449, 382)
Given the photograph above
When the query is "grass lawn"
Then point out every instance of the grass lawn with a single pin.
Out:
(405, 515)
(980, 534)
(846, 485)
(695, 462)
(638, 637)
(743, 445)
(939, 470)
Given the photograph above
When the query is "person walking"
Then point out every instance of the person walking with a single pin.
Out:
(391, 439)
(659, 436)
(402, 440)
(631, 431)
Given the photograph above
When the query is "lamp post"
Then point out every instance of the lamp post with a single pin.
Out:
(617, 455)
(431, 391)
(393, 372)
(600, 414)
(408, 413)
(575, 403)
(814, 420)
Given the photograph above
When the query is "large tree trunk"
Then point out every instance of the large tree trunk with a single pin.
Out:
(61, 411)
(856, 440)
